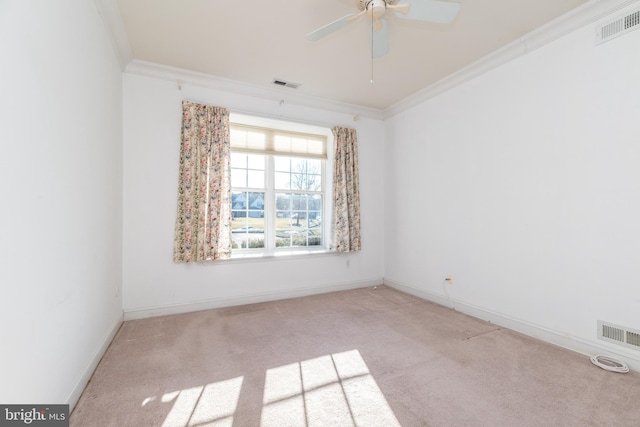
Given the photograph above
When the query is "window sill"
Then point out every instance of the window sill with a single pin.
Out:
(280, 255)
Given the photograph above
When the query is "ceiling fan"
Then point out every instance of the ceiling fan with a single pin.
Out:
(442, 12)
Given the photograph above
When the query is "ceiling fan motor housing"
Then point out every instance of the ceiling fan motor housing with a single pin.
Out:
(362, 4)
(374, 8)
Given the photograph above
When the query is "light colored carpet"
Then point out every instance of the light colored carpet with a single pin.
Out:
(367, 357)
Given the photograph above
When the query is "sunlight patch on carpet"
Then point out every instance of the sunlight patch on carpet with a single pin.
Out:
(336, 389)
(212, 405)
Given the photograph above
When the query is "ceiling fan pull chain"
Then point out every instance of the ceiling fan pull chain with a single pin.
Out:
(372, 48)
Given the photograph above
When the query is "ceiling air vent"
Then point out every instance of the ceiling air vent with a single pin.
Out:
(619, 334)
(617, 26)
(291, 85)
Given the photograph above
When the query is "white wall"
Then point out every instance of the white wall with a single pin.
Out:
(153, 283)
(524, 183)
(60, 180)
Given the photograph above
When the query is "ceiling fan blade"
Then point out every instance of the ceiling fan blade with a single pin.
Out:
(380, 40)
(329, 28)
(441, 12)
(399, 8)
(352, 18)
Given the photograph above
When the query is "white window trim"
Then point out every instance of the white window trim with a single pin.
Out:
(270, 251)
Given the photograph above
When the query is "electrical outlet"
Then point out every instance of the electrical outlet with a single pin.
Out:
(449, 279)
(348, 263)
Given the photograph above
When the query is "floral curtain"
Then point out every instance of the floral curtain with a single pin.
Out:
(346, 191)
(203, 222)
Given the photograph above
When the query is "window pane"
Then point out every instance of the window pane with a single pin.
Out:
(315, 202)
(283, 202)
(315, 235)
(314, 166)
(282, 242)
(314, 182)
(283, 181)
(238, 160)
(299, 239)
(255, 161)
(256, 179)
(298, 181)
(315, 220)
(248, 233)
(238, 177)
(291, 236)
(238, 200)
(238, 219)
(299, 202)
(283, 164)
(298, 165)
(256, 202)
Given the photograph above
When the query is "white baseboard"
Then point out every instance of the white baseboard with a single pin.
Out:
(144, 312)
(579, 345)
(75, 394)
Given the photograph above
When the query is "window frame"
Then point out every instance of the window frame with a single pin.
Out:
(270, 249)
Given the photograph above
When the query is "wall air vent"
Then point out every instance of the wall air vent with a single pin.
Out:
(617, 26)
(291, 85)
(619, 334)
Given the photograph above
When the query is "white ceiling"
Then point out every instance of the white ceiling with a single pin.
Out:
(255, 41)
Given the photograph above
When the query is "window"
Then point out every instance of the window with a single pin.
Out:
(279, 185)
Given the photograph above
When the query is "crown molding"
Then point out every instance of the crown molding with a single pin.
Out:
(110, 14)
(588, 13)
(182, 76)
